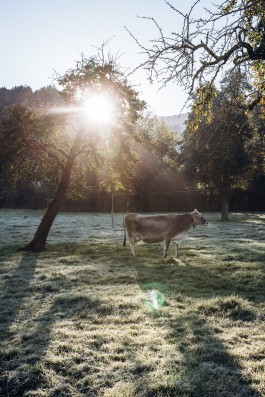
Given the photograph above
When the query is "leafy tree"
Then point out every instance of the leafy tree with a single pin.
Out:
(157, 156)
(79, 141)
(256, 151)
(26, 158)
(231, 35)
(216, 156)
(257, 145)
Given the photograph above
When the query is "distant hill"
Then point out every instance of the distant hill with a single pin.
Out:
(175, 122)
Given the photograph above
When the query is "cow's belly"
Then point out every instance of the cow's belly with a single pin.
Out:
(148, 238)
(179, 237)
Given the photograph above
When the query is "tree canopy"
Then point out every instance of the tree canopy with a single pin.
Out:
(216, 156)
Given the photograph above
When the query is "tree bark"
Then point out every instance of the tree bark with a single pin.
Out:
(225, 208)
(38, 242)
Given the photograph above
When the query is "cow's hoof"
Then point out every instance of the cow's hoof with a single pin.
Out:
(179, 262)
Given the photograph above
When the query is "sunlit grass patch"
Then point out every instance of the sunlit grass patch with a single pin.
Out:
(234, 307)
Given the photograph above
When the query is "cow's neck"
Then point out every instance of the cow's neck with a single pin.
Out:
(192, 221)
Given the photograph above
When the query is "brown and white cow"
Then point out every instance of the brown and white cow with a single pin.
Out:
(153, 228)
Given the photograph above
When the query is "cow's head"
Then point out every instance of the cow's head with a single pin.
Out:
(197, 218)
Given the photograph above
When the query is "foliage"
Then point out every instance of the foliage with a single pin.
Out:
(108, 155)
(146, 160)
(257, 149)
(41, 143)
(157, 167)
(139, 157)
(110, 144)
(29, 166)
(216, 155)
(102, 75)
(26, 151)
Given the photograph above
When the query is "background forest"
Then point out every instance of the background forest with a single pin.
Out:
(215, 165)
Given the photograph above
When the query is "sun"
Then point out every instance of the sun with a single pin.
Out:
(99, 108)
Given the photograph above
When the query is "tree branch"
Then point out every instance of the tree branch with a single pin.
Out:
(198, 51)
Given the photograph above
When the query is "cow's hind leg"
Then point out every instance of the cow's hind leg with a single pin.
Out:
(124, 237)
(132, 246)
(176, 248)
(166, 244)
(132, 243)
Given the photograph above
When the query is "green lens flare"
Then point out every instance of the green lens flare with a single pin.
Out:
(155, 299)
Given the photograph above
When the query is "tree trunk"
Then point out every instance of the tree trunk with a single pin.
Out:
(38, 242)
(225, 208)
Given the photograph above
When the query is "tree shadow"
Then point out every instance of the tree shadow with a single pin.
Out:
(209, 367)
(18, 282)
(7, 251)
(34, 343)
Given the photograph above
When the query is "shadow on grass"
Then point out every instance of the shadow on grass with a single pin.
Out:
(209, 368)
(7, 251)
(23, 365)
(30, 376)
(18, 284)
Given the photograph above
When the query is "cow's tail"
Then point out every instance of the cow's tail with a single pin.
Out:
(124, 232)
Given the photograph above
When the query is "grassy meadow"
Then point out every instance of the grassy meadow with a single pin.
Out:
(85, 318)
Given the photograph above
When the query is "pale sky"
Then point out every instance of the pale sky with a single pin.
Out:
(39, 37)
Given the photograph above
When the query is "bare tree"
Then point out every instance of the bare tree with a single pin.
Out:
(231, 35)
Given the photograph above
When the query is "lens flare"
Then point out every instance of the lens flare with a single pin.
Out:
(156, 299)
(99, 108)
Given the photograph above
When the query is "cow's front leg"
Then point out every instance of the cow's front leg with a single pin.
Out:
(132, 246)
(176, 247)
(166, 244)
